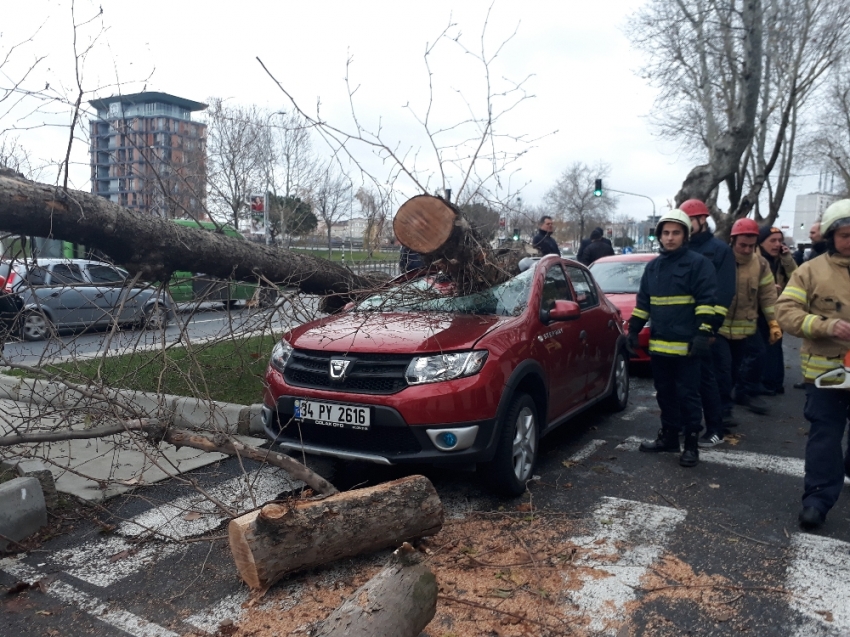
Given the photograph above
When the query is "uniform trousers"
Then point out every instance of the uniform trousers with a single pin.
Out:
(738, 366)
(677, 390)
(709, 393)
(827, 411)
(773, 361)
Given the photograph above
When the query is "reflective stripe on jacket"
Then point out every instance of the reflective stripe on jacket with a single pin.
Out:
(677, 295)
(723, 260)
(755, 289)
(816, 297)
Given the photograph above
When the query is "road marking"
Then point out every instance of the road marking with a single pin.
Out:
(585, 452)
(78, 600)
(782, 465)
(626, 538)
(109, 559)
(634, 413)
(819, 576)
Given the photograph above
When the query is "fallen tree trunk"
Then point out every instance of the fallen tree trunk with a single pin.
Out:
(437, 231)
(280, 538)
(400, 601)
(155, 247)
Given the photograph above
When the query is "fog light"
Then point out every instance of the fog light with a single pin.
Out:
(448, 439)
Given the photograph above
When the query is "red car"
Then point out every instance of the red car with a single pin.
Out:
(414, 374)
(619, 277)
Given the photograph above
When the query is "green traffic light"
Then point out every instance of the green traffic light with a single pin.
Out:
(597, 191)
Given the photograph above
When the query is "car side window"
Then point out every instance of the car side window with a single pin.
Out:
(36, 275)
(586, 295)
(104, 274)
(555, 288)
(69, 273)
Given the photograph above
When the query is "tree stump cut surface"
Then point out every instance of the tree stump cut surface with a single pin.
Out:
(424, 223)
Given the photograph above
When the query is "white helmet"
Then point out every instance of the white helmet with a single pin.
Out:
(835, 216)
(676, 216)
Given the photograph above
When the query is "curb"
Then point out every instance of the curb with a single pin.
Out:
(22, 509)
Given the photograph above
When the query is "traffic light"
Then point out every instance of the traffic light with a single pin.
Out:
(597, 191)
(516, 234)
(651, 234)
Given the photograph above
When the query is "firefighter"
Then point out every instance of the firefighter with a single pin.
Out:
(704, 242)
(739, 348)
(676, 295)
(815, 306)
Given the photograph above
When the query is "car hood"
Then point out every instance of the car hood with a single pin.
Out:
(391, 333)
(623, 302)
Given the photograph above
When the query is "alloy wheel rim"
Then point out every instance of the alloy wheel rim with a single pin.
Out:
(525, 444)
(35, 325)
(155, 318)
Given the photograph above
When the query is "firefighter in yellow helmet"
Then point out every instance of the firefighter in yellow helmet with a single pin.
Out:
(815, 306)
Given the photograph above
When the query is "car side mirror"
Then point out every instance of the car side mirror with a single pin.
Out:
(565, 311)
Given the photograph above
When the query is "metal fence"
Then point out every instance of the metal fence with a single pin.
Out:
(374, 265)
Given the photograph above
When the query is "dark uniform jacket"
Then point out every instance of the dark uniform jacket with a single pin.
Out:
(545, 244)
(723, 260)
(596, 250)
(677, 294)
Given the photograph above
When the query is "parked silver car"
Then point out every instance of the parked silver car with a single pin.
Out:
(70, 294)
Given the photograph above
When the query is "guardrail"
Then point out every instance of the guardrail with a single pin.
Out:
(374, 265)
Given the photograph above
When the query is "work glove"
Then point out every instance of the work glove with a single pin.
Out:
(632, 343)
(775, 331)
(701, 345)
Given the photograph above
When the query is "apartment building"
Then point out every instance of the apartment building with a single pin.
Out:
(808, 209)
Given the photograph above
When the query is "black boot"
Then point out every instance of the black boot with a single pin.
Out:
(690, 456)
(667, 440)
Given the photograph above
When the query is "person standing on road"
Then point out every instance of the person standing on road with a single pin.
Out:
(815, 306)
(739, 347)
(587, 241)
(677, 295)
(704, 242)
(778, 256)
(597, 249)
(543, 240)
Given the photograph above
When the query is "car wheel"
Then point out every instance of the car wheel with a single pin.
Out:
(156, 317)
(231, 304)
(516, 450)
(35, 326)
(618, 399)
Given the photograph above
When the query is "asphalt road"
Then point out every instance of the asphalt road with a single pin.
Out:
(732, 518)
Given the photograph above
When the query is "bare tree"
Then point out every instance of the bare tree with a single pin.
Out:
(829, 145)
(331, 199)
(571, 199)
(734, 81)
(376, 207)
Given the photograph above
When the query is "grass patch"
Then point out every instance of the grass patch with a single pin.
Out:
(230, 371)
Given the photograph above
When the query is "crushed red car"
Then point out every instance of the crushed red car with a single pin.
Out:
(414, 374)
(619, 277)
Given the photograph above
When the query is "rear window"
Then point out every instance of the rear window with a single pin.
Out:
(104, 274)
(618, 277)
(36, 275)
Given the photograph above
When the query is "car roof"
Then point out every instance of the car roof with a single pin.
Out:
(55, 260)
(635, 257)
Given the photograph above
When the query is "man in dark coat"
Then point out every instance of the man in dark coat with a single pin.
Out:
(587, 241)
(543, 240)
(597, 249)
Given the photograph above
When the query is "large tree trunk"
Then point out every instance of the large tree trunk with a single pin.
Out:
(434, 228)
(281, 538)
(157, 247)
(400, 601)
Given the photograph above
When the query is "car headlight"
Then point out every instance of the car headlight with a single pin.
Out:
(432, 369)
(280, 355)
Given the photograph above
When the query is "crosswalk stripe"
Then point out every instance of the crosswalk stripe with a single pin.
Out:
(120, 619)
(585, 452)
(107, 560)
(634, 534)
(819, 575)
(782, 465)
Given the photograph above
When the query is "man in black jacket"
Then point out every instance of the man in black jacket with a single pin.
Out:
(587, 241)
(597, 249)
(677, 294)
(543, 240)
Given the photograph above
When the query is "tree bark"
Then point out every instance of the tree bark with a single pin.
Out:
(400, 601)
(435, 229)
(281, 538)
(156, 247)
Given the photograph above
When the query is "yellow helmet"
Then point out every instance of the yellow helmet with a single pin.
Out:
(833, 215)
(676, 216)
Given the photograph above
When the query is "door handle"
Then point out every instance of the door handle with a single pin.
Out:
(583, 335)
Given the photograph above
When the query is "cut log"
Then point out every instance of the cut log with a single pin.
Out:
(400, 601)
(436, 230)
(280, 538)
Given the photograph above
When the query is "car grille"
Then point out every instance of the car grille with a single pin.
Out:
(383, 440)
(366, 374)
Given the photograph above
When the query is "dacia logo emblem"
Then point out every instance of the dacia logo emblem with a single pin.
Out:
(338, 368)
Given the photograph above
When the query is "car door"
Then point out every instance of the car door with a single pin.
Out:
(69, 296)
(600, 329)
(560, 347)
(111, 290)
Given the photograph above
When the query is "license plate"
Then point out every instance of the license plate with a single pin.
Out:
(333, 414)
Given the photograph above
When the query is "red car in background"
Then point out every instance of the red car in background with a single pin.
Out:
(619, 277)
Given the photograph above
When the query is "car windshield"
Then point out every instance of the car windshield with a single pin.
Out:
(427, 295)
(618, 277)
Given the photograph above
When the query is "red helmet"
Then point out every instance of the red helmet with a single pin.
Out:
(744, 226)
(694, 208)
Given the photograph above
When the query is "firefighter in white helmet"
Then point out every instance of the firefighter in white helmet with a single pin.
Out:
(815, 306)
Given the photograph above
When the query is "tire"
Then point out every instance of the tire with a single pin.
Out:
(516, 449)
(618, 399)
(155, 318)
(35, 326)
(231, 304)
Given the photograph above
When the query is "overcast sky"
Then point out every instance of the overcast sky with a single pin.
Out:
(579, 64)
